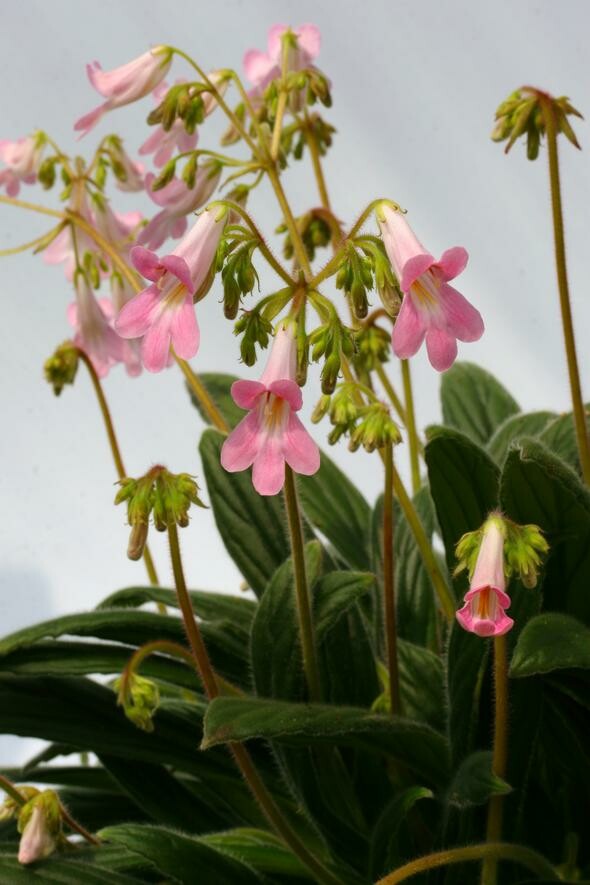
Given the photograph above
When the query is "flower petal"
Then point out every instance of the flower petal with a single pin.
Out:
(136, 316)
(258, 66)
(413, 268)
(184, 330)
(89, 121)
(245, 393)
(300, 450)
(155, 347)
(309, 39)
(409, 329)
(242, 445)
(453, 261)
(179, 268)
(289, 391)
(442, 348)
(147, 263)
(268, 474)
(463, 320)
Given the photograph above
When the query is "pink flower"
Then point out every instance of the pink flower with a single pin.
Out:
(22, 158)
(37, 841)
(483, 612)
(431, 308)
(125, 84)
(163, 313)
(121, 294)
(261, 68)
(91, 320)
(271, 435)
(177, 201)
(61, 249)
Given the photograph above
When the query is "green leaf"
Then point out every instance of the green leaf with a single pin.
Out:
(59, 870)
(551, 642)
(474, 782)
(181, 857)
(538, 488)
(260, 849)
(515, 428)
(560, 437)
(337, 509)
(218, 386)
(474, 402)
(421, 675)
(208, 606)
(252, 526)
(416, 745)
(389, 848)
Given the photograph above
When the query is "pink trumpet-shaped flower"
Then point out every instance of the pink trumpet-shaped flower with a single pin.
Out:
(125, 84)
(91, 320)
(431, 308)
(263, 67)
(177, 201)
(37, 841)
(22, 159)
(163, 313)
(486, 600)
(271, 435)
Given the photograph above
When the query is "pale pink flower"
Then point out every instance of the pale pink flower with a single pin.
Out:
(163, 313)
(119, 228)
(486, 600)
(261, 68)
(177, 201)
(37, 841)
(61, 249)
(121, 294)
(271, 435)
(92, 321)
(22, 159)
(125, 84)
(431, 308)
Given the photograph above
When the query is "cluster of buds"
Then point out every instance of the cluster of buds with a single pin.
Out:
(234, 260)
(189, 102)
(39, 821)
(315, 230)
(331, 340)
(112, 155)
(523, 114)
(139, 697)
(373, 347)
(355, 278)
(385, 281)
(491, 555)
(160, 495)
(294, 137)
(369, 425)
(255, 326)
(61, 368)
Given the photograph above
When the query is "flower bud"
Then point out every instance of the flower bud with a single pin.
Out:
(10, 807)
(375, 430)
(40, 826)
(139, 698)
(322, 408)
(61, 368)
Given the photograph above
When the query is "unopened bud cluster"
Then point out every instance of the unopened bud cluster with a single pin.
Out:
(139, 698)
(331, 341)
(523, 115)
(369, 425)
(39, 821)
(61, 368)
(314, 230)
(373, 347)
(165, 497)
(524, 549)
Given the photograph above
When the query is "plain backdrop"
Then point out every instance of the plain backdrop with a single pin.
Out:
(415, 86)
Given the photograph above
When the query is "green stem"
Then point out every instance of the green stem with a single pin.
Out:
(276, 265)
(202, 395)
(302, 595)
(389, 584)
(117, 457)
(564, 297)
(10, 790)
(38, 241)
(413, 441)
(500, 753)
(241, 756)
(499, 851)
(289, 218)
(390, 391)
(34, 207)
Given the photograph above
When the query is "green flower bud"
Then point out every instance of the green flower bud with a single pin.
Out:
(61, 368)
(139, 698)
(524, 550)
(40, 826)
(322, 408)
(375, 430)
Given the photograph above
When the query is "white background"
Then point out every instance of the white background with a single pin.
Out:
(415, 86)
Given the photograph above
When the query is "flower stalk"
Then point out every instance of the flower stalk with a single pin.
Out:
(500, 754)
(410, 423)
(389, 584)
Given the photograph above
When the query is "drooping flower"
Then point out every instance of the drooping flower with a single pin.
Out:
(486, 600)
(271, 435)
(39, 824)
(263, 67)
(431, 308)
(125, 84)
(163, 313)
(22, 159)
(121, 294)
(177, 201)
(92, 320)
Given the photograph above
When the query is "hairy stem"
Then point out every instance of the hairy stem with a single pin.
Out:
(389, 584)
(117, 457)
(499, 851)
(413, 440)
(243, 760)
(500, 753)
(564, 296)
(302, 594)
